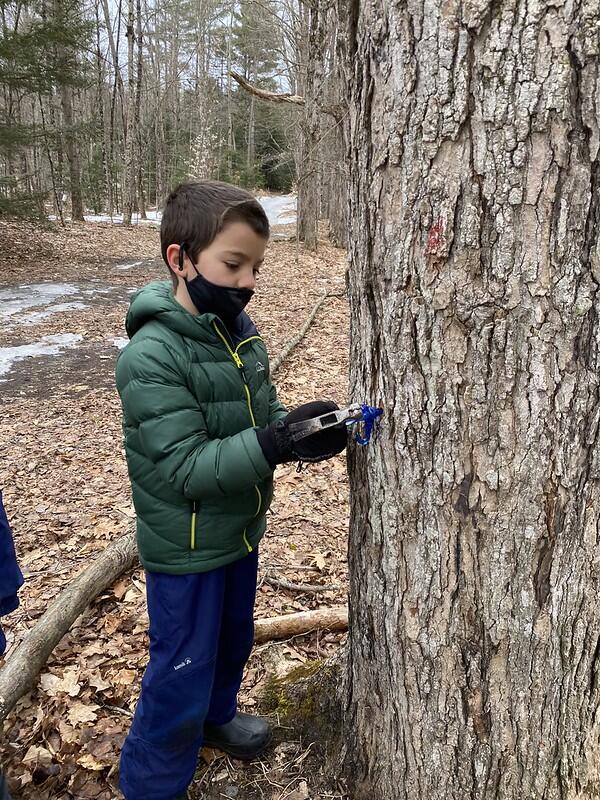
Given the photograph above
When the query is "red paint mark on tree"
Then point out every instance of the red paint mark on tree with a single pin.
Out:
(435, 238)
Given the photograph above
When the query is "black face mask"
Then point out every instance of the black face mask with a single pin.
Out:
(227, 302)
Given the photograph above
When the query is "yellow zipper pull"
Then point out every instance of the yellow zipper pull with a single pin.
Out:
(238, 361)
(193, 527)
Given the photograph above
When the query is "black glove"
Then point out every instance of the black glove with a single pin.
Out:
(276, 439)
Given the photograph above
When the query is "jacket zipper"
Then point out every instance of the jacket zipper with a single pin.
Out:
(193, 526)
(240, 365)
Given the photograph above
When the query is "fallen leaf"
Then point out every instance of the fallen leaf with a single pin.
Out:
(97, 682)
(79, 713)
(88, 761)
(300, 793)
(38, 755)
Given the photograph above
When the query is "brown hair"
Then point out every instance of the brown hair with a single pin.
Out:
(196, 211)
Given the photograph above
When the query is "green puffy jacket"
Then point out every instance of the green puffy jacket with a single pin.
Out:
(191, 398)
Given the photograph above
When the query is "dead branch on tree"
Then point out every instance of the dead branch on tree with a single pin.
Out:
(336, 111)
(272, 97)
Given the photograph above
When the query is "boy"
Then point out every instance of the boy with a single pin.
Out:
(203, 432)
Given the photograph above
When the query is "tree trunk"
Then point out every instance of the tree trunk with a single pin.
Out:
(141, 198)
(251, 144)
(129, 178)
(72, 150)
(103, 128)
(309, 171)
(474, 649)
(230, 127)
(114, 166)
(68, 128)
(56, 187)
(335, 178)
(114, 51)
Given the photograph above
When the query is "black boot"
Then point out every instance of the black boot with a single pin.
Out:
(245, 737)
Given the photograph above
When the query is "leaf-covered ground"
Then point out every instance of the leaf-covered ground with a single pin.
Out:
(67, 495)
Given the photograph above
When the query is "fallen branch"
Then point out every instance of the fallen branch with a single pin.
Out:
(22, 668)
(282, 237)
(282, 583)
(295, 341)
(331, 619)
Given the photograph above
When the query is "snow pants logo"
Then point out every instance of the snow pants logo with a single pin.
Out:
(184, 663)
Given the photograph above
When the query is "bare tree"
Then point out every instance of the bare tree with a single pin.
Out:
(141, 199)
(129, 179)
(70, 139)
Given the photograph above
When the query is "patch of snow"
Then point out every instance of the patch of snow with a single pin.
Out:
(120, 342)
(104, 290)
(153, 218)
(48, 346)
(129, 266)
(280, 209)
(18, 298)
(36, 316)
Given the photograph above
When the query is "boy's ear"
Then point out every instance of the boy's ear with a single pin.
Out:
(175, 255)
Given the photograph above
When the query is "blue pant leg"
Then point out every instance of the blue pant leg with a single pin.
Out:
(236, 637)
(10, 574)
(159, 755)
(4, 793)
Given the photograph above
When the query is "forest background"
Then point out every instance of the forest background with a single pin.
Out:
(104, 106)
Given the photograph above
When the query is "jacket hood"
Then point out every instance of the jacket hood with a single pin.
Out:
(155, 301)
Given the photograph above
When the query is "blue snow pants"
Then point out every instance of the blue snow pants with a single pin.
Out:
(10, 574)
(201, 634)
(4, 793)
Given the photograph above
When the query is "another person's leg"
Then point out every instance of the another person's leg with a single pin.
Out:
(4, 793)
(159, 755)
(240, 735)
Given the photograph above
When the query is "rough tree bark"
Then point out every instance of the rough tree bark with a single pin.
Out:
(474, 213)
